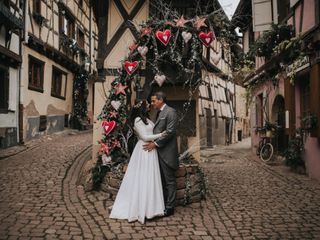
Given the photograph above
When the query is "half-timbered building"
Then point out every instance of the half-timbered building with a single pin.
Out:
(59, 50)
(11, 35)
(117, 24)
(287, 90)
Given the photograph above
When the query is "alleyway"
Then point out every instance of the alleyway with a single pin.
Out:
(39, 199)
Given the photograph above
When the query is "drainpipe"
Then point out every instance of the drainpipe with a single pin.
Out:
(23, 40)
(90, 35)
(235, 110)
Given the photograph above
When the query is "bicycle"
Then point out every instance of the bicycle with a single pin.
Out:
(266, 150)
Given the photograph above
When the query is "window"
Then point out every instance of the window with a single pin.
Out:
(66, 24)
(4, 90)
(6, 3)
(81, 38)
(81, 3)
(43, 123)
(216, 119)
(283, 9)
(259, 110)
(37, 6)
(210, 93)
(35, 74)
(59, 83)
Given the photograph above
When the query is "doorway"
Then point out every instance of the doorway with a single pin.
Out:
(278, 117)
(209, 127)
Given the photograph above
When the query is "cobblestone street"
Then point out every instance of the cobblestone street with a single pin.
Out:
(247, 199)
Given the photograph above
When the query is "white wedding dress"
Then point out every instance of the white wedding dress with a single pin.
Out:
(140, 195)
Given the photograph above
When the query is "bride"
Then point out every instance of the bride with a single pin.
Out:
(140, 195)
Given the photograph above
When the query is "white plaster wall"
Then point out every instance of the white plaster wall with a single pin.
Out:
(42, 100)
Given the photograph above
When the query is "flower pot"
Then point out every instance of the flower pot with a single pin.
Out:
(269, 133)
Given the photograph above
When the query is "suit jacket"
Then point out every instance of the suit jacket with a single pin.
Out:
(167, 144)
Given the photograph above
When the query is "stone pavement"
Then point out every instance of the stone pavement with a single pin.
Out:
(40, 199)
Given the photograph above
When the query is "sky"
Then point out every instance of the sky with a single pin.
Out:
(229, 6)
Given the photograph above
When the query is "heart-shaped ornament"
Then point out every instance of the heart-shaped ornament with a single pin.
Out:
(143, 50)
(115, 104)
(186, 36)
(164, 37)
(159, 79)
(206, 38)
(105, 159)
(108, 126)
(215, 58)
(131, 67)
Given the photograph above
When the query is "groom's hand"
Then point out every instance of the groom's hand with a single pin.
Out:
(149, 146)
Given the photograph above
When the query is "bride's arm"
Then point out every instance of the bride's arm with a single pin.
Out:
(139, 128)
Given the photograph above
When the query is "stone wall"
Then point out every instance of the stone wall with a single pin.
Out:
(191, 186)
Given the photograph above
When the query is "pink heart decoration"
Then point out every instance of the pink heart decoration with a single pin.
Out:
(206, 38)
(115, 104)
(143, 50)
(164, 37)
(159, 79)
(131, 67)
(186, 36)
(108, 126)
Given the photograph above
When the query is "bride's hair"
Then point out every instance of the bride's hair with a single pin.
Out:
(140, 109)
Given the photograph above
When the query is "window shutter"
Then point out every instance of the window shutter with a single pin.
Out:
(315, 96)
(13, 86)
(261, 15)
(293, 2)
(289, 98)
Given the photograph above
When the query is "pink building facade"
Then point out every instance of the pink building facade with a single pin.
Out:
(286, 100)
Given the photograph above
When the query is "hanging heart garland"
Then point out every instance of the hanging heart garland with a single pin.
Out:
(143, 50)
(164, 37)
(159, 79)
(108, 126)
(131, 67)
(186, 36)
(206, 38)
(115, 104)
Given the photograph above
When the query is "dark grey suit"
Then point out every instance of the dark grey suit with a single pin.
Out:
(168, 153)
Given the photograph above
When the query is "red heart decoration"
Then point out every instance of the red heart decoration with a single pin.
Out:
(131, 67)
(164, 37)
(206, 38)
(108, 126)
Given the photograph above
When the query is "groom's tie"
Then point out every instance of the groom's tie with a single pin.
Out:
(158, 113)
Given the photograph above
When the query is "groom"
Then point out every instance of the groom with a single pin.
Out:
(167, 148)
